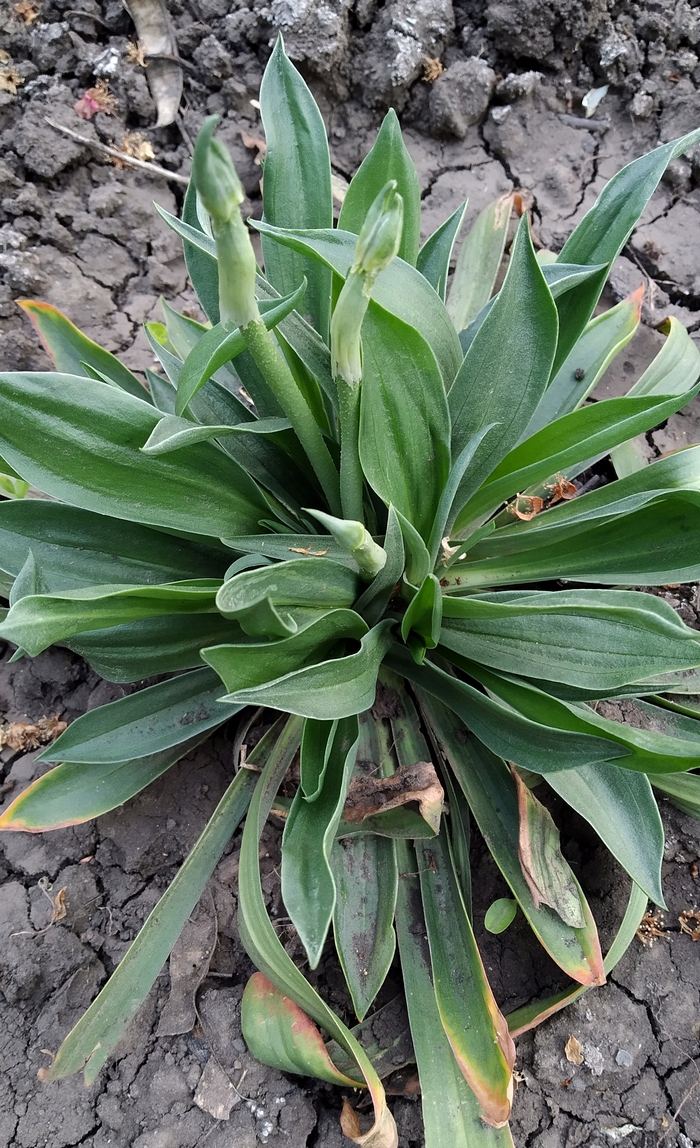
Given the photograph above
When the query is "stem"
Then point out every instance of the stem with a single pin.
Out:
(351, 479)
(262, 347)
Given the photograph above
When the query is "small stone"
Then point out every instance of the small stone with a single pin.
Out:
(500, 114)
(461, 96)
(642, 105)
(517, 85)
(624, 1058)
(594, 1059)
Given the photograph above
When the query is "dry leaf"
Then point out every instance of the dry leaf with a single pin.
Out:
(216, 1094)
(685, 921)
(306, 550)
(573, 1050)
(189, 964)
(259, 146)
(136, 54)
(23, 736)
(561, 489)
(525, 506)
(156, 37)
(432, 69)
(27, 11)
(10, 80)
(419, 782)
(58, 911)
(136, 147)
(382, 1134)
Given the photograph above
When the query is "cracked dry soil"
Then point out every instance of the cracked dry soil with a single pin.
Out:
(505, 112)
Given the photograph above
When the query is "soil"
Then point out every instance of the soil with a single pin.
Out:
(501, 109)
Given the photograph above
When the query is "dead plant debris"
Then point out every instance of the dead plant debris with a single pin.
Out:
(136, 54)
(689, 921)
(432, 69)
(23, 736)
(27, 11)
(133, 146)
(97, 99)
(573, 1050)
(651, 927)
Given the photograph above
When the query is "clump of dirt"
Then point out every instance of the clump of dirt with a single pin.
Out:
(490, 94)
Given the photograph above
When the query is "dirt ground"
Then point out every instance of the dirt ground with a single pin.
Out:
(506, 111)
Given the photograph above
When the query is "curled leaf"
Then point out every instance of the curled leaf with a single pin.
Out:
(369, 795)
(381, 1135)
(546, 870)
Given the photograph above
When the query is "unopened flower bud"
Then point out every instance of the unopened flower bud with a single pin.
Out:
(354, 538)
(377, 245)
(380, 236)
(214, 175)
(221, 193)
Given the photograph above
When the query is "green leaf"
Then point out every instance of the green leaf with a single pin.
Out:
(404, 421)
(308, 886)
(260, 599)
(604, 230)
(620, 806)
(283, 546)
(172, 433)
(530, 1015)
(72, 352)
(490, 791)
(263, 945)
(435, 255)
(506, 369)
(218, 347)
(366, 880)
(278, 1033)
(247, 665)
(161, 645)
(76, 548)
(597, 639)
(91, 435)
(387, 160)
(400, 289)
(600, 342)
(477, 1032)
(669, 745)
(451, 1113)
(683, 789)
(479, 261)
(675, 369)
(333, 689)
(512, 735)
(500, 914)
(297, 185)
(146, 722)
(202, 268)
(75, 792)
(420, 625)
(443, 515)
(39, 620)
(566, 444)
(90, 1044)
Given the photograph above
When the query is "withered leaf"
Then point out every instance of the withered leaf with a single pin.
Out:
(573, 1050)
(689, 921)
(546, 870)
(189, 964)
(369, 795)
(23, 736)
(156, 38)
(382, 1134)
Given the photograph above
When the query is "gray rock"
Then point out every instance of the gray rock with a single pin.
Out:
(460, 98)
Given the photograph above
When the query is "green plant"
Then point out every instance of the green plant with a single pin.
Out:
(367, 518)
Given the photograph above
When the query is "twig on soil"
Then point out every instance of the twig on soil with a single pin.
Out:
(580, 122)
(143, 165)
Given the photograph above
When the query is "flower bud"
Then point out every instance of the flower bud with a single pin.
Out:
(214, 175)
(356, 540)
(346, 326)
(380, 236)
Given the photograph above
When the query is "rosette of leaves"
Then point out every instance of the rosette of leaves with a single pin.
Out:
(397, 526)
